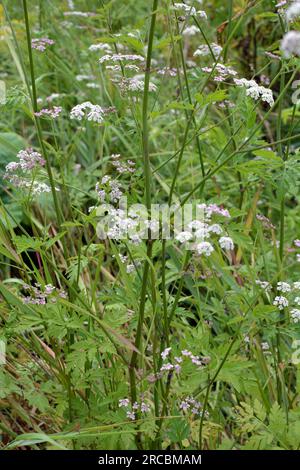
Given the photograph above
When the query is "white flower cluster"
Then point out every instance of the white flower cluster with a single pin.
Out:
(35, 187)
(199, 231)
(282, 302)
(189, 10)
(255, 91)
(192, 405)
(92, 112)
(28, 160)
(221, 69)
(290, 44)
(204, 50)
(41, 44)
(130, 267)
(172, 72)
(82, 14)
(123, 226)
(265, 346)
(118, 68)
(283, 287)
(122, 167)
(49, 112)
(120, 224)
(202, 14)
(40, 296)
(176, 367)
(133, 84)
(226, 243)
(293, 11)
(225, 104)
(121, 58)
(264, 285)
(103, 46)
(109, 187)
(184, 236)
(53, 96)
(190, 30)
(204, 248)
(295, 314)
(143, 407)
(20, 174)
(128, 84)
(81, 78)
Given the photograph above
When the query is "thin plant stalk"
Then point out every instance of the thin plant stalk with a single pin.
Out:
(148, 185)
(35, 109)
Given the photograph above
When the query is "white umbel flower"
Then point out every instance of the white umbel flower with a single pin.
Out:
(124, 402)
(290, 44)
(281, 302)
(100, 47)
(295, 314)
(190, 31)
(183, 237)
(202, 14)
(293, 11)
(135, 84)
(95, 112)
(202, 233)
(255, 91)
(215, 228)
(204, 248)
(190, 10)
(297, 300)
(121, 58)
(205, 50)
(264, 285)
(283, 287)
(226, 243)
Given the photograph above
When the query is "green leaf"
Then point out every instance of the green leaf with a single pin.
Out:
(24, 243)
(216, 96)
(277, 420)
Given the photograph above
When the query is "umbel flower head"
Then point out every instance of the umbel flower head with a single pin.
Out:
(41, 44)
(255, 91)
(226, 243)
(92, 112)
(28, 160)
(121, 58)
(49, 112)
(204, 50)
(290, 44)
(293, 11)
(21, 174)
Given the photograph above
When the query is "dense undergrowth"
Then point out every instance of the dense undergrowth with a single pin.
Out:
(139, 339)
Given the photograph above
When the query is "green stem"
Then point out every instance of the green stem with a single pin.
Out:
(148, 176)
(279, 148)
(190, 99)
(35, 109)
